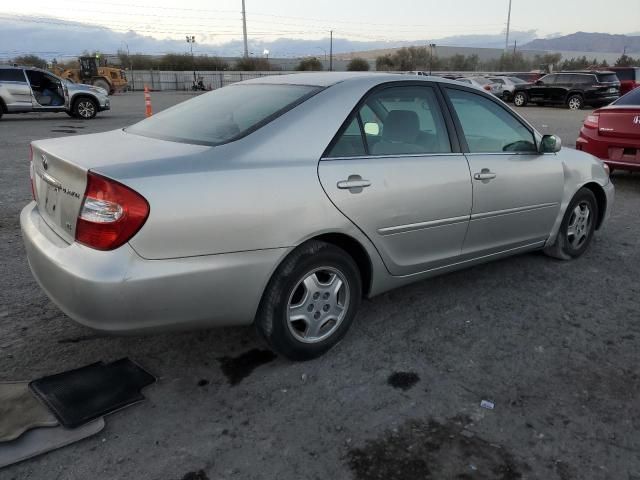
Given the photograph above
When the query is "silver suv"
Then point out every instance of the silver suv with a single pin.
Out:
(28, 89)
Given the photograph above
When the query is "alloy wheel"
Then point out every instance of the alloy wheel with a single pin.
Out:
(86, 109)
(579, 227)
(575, 103)
(317, 305)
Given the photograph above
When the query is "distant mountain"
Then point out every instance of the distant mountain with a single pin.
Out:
(587, 42)
(51, 37)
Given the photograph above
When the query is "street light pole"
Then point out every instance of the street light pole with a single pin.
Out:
(191, 39)
(431, 47)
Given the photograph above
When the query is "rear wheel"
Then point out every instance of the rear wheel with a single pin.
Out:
(575, 102)
(577, 228)
(85, 108)
(520, 99)
(310, 301)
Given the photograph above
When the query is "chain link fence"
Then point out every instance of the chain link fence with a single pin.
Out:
(158, 80)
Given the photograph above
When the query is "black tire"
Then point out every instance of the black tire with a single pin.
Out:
(102, 83)
(520, 99)
(85, 108)
(566, 246)
(575, 102)
(273, 320)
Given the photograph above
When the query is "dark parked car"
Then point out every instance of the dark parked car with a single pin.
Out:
(573, 89)
(629, 78)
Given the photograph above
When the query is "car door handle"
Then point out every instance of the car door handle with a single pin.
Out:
(355, 183)
(485, 175)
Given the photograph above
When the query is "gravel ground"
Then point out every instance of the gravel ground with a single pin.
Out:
(553, 345)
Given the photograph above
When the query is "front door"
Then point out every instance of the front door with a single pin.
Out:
(540, 92)
(516, 190)
(393, 172)
(48, 92)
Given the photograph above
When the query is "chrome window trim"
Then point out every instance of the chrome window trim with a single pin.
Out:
(403, 155)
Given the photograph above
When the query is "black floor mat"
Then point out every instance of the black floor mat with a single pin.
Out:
(79, 396)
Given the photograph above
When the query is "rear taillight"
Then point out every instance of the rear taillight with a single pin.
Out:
(487, 88)
(110, 215)
(31, 172)
(592, 121)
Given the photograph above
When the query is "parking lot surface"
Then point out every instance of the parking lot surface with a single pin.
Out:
(553, 345)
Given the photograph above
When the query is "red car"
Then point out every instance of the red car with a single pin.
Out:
(629, 78)
(612, 133)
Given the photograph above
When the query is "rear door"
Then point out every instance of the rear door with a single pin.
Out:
(396, 172)
(16, 93)
(516, 190)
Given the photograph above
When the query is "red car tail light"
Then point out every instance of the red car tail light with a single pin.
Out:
(33, 186)
(592, 121)
(487, 88)
(110, 215)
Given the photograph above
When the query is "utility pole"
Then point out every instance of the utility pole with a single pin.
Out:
(244, 30)
(431, 47)
(331, 51)
(506, 45)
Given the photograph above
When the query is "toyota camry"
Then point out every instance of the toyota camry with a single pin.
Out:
(283, 201)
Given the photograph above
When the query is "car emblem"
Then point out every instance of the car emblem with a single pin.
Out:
(636, 119)
(45, 162)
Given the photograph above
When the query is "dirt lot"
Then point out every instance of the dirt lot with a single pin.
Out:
(554, 345)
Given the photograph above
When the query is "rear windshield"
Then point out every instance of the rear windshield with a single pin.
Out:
(608, 78)
(223, 115)
(631, 98)
(482, 80)
(628, 74)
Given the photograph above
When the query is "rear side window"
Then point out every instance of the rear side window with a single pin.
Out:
(607, 78)
(225, 114)
(11, 75)
(397, 121)
(631, 98)
(489, 128)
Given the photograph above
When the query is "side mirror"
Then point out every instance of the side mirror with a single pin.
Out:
(550, 144)
(539, 82)
(372, 128)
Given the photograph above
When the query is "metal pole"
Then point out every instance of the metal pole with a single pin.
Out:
(244, 30)
(506, 45)
(331, 51)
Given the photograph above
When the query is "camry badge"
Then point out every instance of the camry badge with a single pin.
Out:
(45, 162)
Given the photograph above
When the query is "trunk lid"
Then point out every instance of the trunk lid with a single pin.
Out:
(621, 122)
(60, 169)
(59, 188)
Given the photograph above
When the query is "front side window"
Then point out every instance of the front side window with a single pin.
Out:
(11, 75)
(487, 127)
(223, 115)
(398, 121)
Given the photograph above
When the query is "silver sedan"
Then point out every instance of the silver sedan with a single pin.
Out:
(282, 201)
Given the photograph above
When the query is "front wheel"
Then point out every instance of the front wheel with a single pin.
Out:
(577, 227)
(310, 301)
(85, 108)
(520, 99)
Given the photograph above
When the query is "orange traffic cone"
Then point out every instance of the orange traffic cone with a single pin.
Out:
(147, 102)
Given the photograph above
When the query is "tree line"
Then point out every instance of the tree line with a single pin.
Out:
(403, 59)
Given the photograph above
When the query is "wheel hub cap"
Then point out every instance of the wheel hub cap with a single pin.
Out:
(85, 109)
(317, 305)
(579, 225)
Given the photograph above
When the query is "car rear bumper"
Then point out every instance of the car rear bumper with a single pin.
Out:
(622, 153)
(119, 291)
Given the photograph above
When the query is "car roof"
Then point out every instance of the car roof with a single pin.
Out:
(326, 79)
(586, 72)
